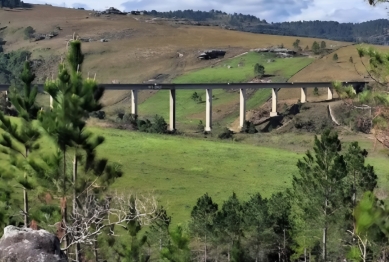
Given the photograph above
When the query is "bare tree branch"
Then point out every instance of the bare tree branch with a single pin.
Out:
(89, 221)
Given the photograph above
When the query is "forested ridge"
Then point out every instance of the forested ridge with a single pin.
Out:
(13, 3)
(374, 32)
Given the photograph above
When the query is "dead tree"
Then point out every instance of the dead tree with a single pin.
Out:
(89, 220)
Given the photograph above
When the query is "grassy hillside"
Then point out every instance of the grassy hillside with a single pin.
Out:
(242, 69)
(189, 111)
(179, 174)
(138, 48)
(326, 69)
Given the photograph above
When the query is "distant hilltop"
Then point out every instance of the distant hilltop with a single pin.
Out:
(372, 32)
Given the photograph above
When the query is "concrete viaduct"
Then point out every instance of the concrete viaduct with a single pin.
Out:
(275, 87)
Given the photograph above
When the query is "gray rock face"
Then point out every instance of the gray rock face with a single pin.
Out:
(27, 245)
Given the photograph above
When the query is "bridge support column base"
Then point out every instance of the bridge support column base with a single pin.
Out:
(208, 111)
(330, 94)
(303, 95)
(242, 118)
(172, 120)
(134, 102)
(274, 101)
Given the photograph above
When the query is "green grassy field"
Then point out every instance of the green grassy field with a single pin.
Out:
(187, 110)
(179, 170)
(236, 74)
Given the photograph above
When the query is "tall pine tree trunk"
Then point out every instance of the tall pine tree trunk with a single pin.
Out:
(205, 249)
(325, 244)
(25, 199)
(25, 196)
(75, 165)
(64, 204)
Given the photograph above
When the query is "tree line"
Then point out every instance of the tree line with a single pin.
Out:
(13, 4)
(373, 32)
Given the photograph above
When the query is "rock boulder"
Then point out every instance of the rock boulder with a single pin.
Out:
(28, 245)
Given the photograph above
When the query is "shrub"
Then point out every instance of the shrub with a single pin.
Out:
(316, 48)
(335, 57)
(196, 97)
(259, 70)
(200, 126)
(323, 45)
(98, 114)
(28, 31)
(226, 134)
(158, 126)
(249, 128)
(316, 91)
(119, 113)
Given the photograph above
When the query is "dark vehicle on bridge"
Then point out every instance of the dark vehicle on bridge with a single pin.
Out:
(211, 54)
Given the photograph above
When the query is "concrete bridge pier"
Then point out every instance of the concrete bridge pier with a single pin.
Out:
(274, 100)
(208, 111)
(134, 102)
(330, 93)
(303, 95)
(242, 107)
(172, 119)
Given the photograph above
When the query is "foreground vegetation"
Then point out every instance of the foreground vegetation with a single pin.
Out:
(263, 204)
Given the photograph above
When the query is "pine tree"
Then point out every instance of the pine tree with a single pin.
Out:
(133, 252)
(360, 177)
(318, 189)
(178, 249)
(296, 44)
(202, 217)
(280, 222)
(25, 134)
(315, 48)
(229, 222)
(257, 226)
(7, 197)
(159, 229)
(74, 98)
(323, 45)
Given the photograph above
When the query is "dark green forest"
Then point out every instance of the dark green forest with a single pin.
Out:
(13, 3)
(374, 32)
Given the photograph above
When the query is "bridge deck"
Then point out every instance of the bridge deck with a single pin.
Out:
(210, 86)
